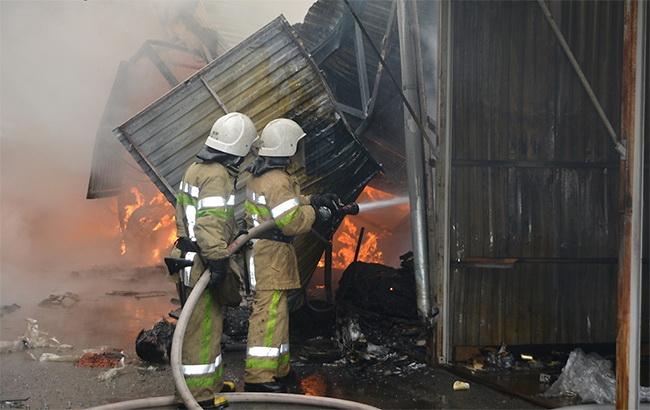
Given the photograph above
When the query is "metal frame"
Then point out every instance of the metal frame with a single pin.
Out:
(362, 71)
(214, 95)
(581, 76)
(442, 265)
(583, 80)
(633, 90)
(414, 158)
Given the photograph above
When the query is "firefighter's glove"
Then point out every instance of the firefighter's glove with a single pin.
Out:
(324, 220)
(218, 270)
(242, 227)
(328, 200)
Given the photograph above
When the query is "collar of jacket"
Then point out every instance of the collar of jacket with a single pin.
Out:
(264, 164)
(231, 162)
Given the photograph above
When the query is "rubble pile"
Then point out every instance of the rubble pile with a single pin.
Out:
(376, 314)
(101, 359)
(65, 300)
(154, 345)
(235, 323)
(6, 309)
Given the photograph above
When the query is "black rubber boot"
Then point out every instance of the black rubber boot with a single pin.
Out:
(229, 386)
(217, 403)
(291, 377)
(269, 387)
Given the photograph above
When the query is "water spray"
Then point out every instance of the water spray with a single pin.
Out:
(384, 203)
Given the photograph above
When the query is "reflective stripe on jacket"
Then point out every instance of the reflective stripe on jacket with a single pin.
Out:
(205, 204)
(275, 194)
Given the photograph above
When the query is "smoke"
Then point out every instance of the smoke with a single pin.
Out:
(58, 64)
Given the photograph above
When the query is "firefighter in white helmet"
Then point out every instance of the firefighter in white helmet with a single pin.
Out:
(273, 193)
(205, 226)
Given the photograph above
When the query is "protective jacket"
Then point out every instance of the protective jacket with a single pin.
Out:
(275, 194)
(205, 218)
(205, 214)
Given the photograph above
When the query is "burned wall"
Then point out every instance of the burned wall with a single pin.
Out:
(535, 175)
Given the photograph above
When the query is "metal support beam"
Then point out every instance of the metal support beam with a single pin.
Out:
(414, 163)
(385, 48)
(414, 115)
(350, 110)
(160, 65)
(443, 186)
(214, 95)
(585, 83)
(631, 190)
(362, 71)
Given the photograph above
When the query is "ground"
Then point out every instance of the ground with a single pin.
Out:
(98, 319)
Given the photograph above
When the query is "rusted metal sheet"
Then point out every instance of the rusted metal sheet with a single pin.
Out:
(631, 187)
(269, 75)
(534, 173)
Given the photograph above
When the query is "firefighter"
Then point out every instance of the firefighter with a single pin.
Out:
(272, 264)
(205, 226)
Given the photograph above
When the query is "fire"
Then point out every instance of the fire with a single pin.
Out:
(165, 221)
(345, 239)
(129, 209)
(374, 194)
(147, 224)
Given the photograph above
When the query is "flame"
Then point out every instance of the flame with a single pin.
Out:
(165, 221)
(314, 385)
(150, 234)
(375, 194)
(345, 239)
(129, 209)
(158, 199)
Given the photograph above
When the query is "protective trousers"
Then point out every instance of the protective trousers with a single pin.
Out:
(267, 355)
(202, 364)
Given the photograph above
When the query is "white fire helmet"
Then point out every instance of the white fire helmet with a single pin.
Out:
(280, 138)
(233, 133)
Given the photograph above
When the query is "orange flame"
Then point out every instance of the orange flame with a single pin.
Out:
(155, 230)
(131, 208)
(345, 239)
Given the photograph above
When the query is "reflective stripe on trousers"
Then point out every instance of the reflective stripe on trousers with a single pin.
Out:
(201, 369)
(266, 356)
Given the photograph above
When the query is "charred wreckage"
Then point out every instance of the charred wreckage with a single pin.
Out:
(353, 76)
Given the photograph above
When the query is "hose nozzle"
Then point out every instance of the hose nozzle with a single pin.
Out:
(350, 209)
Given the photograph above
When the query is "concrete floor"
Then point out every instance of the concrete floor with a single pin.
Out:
(98, 319)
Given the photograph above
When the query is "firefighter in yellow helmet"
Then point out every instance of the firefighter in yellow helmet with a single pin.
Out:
(273, 268)
(205, 226)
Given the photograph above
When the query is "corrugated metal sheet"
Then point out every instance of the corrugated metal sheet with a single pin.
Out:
(267, 76)
(329, 34)
(535, 174)
(153, 70)
(340, 65)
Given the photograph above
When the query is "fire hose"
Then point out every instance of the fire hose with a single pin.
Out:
(188, 309)
(179, 335)
(190, 304)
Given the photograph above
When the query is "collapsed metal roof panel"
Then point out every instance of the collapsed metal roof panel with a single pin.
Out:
(268, 75)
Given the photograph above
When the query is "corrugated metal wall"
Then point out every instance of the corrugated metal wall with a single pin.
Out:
(269, 75)
(534, 174)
